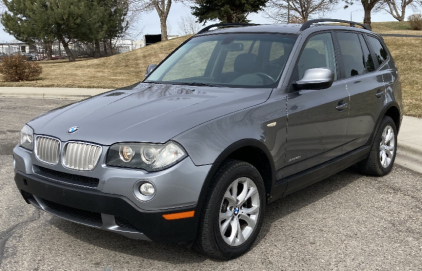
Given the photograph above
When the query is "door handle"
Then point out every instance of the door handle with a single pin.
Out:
(380, 92)
(342, 105)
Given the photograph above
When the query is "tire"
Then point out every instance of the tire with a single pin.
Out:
(216, 237)
(373, 165)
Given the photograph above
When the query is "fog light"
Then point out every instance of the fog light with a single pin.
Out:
(147, 189)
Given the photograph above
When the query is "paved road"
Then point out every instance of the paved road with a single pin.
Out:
(346, 222)
(401, 35)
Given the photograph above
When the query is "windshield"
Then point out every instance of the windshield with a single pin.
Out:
(233, 60)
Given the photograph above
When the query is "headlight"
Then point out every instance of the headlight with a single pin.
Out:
(27, 138)
(150, 157)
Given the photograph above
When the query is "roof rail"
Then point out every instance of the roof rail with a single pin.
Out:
(206, 29)
(311, 22)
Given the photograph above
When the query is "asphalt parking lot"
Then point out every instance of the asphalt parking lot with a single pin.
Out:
(346, 222)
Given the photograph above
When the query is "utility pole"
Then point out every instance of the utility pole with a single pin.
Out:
(288, 11)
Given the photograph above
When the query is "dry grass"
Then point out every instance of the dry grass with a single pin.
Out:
(129, 68)
(402, 28)
(109, 72)
(407, 55)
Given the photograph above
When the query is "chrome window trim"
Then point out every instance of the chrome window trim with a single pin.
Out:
(36, 152)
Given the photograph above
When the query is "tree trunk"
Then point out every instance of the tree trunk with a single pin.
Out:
(367, 18)
(111, 47)
(97, 51)
(105, 47)
(60, 51)
(67, 50)
(48, 50)
(163, 22)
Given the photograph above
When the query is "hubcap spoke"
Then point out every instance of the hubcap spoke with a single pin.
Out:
(234, 189)
(251, 222)
(230, 198)
(226, 215)
(235, 228)
(223, 228)
(251, 211)
(252, 191)
(240, 236)
(243, 194)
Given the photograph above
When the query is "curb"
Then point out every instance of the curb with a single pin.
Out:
(409, 150)
(43, 96)
(49, 93)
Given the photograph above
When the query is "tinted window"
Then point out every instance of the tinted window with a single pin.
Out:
(351, 54)
(379, 50)
(318, 53)
(367, 61)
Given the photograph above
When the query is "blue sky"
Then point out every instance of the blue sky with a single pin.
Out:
(149, 23)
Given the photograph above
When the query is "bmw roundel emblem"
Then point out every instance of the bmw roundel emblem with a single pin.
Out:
(73, 129)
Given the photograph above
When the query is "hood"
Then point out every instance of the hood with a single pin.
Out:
(144, 113)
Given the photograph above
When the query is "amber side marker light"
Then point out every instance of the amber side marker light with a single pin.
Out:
(179, 215)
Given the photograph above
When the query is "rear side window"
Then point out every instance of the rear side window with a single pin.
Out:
(368, 61)
(379, 50)
(351, 54)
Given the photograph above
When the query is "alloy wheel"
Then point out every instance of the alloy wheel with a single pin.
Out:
(387, 146)
(239, 211)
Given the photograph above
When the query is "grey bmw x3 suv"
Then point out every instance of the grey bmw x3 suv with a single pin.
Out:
(232, 120)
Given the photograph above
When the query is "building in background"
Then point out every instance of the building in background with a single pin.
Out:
(38, 50)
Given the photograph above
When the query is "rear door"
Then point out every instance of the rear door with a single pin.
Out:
(317, 119)
(365, 85)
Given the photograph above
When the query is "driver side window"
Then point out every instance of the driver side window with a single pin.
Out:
(317, 53)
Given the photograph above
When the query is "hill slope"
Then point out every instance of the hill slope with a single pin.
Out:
(108, 72)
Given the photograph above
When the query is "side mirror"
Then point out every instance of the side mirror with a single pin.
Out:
(150, 69)
(317, 78)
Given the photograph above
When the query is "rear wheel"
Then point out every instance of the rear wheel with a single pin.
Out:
(233, 212)
(383, 152)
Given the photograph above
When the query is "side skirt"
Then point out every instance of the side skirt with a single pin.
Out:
(315, 174)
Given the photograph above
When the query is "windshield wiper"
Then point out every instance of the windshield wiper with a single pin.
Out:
(197, 84)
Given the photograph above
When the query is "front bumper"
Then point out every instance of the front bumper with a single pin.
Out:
(111, 203)
(109, 212)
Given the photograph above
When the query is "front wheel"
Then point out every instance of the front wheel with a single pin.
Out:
(233, 211)
(383, 152)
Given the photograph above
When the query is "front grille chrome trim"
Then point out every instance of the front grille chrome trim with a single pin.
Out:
(47, 149)
(81, 156)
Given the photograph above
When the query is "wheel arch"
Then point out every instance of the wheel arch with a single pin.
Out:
(392, 110)
(248, 150)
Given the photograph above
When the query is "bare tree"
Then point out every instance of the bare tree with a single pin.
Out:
(162, 7)
(188, 25)
(300, 10)
(397, 8)
(368, 7)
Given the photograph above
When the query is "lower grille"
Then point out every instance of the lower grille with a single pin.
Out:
(67, 178)
(74, 213)
(121, 222)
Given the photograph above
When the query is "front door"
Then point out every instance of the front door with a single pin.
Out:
(317, 119)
